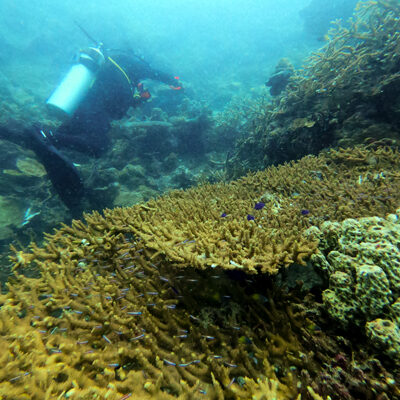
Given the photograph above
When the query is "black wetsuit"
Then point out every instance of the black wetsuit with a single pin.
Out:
(109, 99)
(87, 131)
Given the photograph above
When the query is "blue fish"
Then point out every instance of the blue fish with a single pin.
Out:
(259, 206)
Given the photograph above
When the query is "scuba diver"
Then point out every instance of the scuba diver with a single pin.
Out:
(99, 87)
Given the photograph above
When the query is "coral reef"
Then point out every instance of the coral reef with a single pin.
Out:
(361, 260)
(185, 296)
(104, 321)
(385, 335)
(220, 225)
(346, 94)
(130, 304)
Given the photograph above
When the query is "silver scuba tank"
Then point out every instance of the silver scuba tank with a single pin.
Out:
(73, 88)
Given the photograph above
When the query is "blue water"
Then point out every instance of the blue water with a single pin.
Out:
(209, 44)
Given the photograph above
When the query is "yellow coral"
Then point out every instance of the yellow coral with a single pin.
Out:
(190, 228)
(110, 324)
(109, 316)
(316, 396)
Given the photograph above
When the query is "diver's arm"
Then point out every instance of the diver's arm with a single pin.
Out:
(147, 72)
(163, 77)
(138, 70)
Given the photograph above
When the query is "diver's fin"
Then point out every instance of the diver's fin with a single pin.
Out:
(62, 173)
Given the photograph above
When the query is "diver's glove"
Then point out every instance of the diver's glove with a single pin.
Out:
(142, 93)
(175, 84)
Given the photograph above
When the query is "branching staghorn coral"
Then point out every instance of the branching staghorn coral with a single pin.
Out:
(209, 226)
(346, 93)
(115, 312)
(103, 321)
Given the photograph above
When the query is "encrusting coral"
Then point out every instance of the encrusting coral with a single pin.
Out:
(112, 313)
(361, 260)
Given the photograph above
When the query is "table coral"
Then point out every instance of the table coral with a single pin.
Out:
(208, 226)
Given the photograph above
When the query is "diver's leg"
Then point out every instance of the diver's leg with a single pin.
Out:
(94, 145)
(86, 132)
(62, 173)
